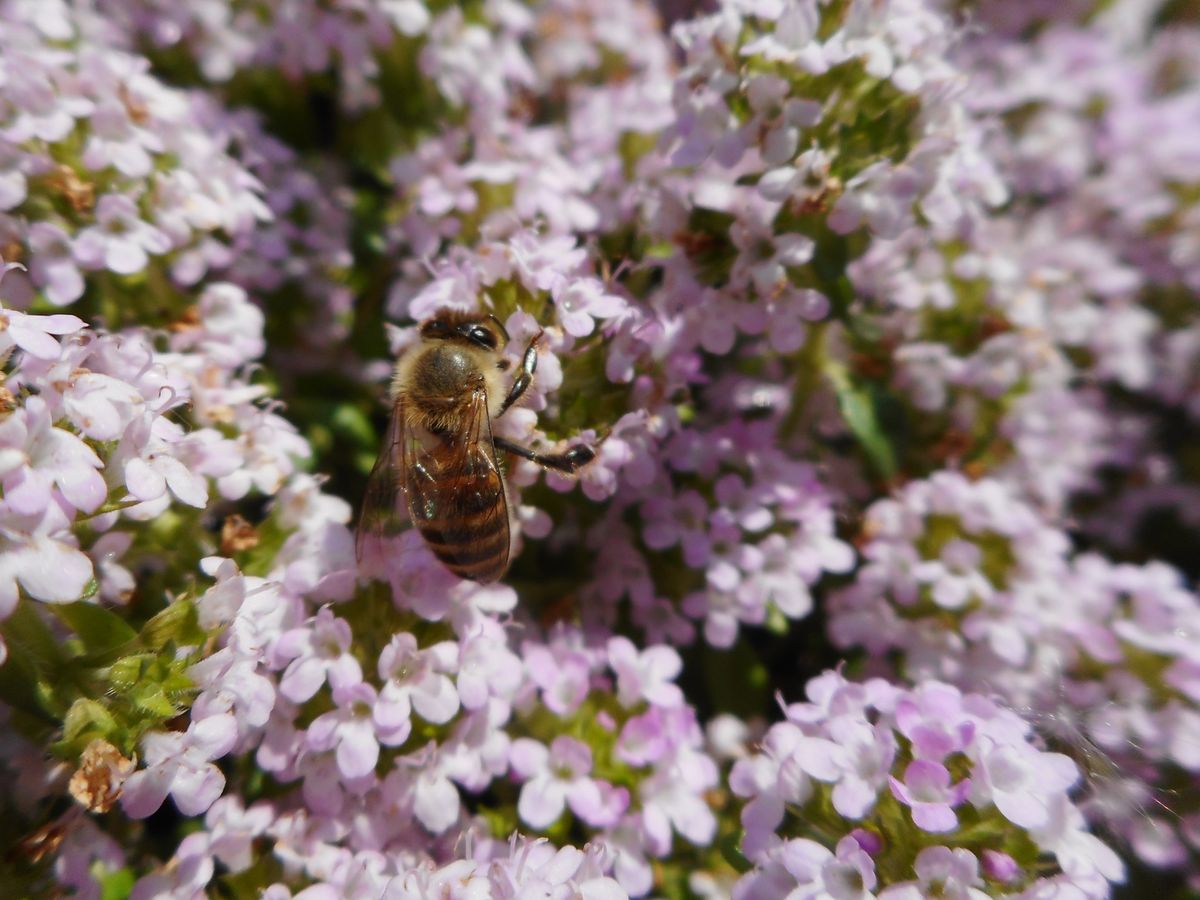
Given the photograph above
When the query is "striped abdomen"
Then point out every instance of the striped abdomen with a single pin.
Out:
(456, 498)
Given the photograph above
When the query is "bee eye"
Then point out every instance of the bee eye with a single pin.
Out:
(482, 337)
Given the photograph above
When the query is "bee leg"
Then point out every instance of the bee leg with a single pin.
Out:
(524, 376)
(569, 461)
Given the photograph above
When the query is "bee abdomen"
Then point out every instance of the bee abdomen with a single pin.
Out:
(474, 546)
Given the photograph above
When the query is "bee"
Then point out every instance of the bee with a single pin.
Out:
(440, 452)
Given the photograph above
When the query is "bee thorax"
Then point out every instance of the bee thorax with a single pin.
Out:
(444, 377)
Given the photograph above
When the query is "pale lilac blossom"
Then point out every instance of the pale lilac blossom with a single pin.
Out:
(35, 334)
(179, 764)
(350, 730)
(40, 557)
(414, 679)
(120, 240)
(37, 458)
(554, 778)
(647, 675)
(314, 653)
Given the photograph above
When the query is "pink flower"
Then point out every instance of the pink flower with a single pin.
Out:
(36, 457)
(233, 685)
(231, 332)
(868, 752)
(644, 739)
(117, 141)
(317, 651)
(673, 796)
(179, 764)
(1023, 782)
(13, 183)
(679, 519)
(933, 719)
(422, 782)
(350, 729)
(582, 300)
(953, 873)
(555, 778)
(187, 874)
(850, 875)
(537, 868)
(149, 477)
(233, 829)
(1000, 866)
(120, 240)
(792, 869)
(562, 673)
(926, 789)
(1081, 855)
(486, 667)
(52, 265)
(34, 555)
(101, 406)
(647, 675)
(414, 678)
(33, 334)
(764, 257)
(116, 582)
(85, 852)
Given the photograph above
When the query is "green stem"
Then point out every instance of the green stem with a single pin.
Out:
(810, 363)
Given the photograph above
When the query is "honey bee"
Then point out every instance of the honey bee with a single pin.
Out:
(440, 452)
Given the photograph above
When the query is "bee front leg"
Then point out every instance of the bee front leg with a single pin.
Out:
(568, 462)
(524, 375)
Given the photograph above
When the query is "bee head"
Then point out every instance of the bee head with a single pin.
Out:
(450, 325)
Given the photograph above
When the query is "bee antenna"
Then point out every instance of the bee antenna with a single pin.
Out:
(500, 325)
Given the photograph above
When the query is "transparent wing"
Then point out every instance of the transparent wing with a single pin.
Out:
(456, 497)
(382, 514)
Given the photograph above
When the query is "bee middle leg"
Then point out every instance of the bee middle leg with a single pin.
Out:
(524, 375)
(569, 461)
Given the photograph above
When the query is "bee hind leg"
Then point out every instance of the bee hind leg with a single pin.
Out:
(568, 462)
(524, 375)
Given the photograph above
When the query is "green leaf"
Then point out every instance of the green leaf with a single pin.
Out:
(87, 715)
(860, 410)
(84, 722)
(632, 146)
(127, 671)
(100, 630)
(116, 885)
(777, 622)
(33, 657)
(731, 852)
(353, 422)
(153, 700)
(177, 623)
(26, 633)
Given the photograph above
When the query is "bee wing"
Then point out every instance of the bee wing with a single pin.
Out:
(381, 511)
(456, 498)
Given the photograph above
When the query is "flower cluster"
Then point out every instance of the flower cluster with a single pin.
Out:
(400, 740)
(90, 440)
(879, 320)
(293, 41)
(866, 785)
(107, 170)
(963, 582)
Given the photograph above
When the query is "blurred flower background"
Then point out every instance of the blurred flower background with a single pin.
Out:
(884, 319)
